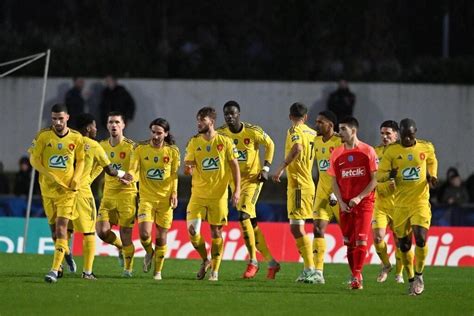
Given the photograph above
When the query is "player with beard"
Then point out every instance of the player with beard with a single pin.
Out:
(209, 156)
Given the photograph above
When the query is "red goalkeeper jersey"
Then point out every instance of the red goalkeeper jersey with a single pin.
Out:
(352, 169)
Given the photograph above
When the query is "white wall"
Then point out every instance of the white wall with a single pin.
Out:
(444, 113)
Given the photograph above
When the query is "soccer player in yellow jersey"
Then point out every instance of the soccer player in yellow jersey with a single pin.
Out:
(157, 162)
(299, 158)
(95, 161)
(248, 138)
(384, 208)
(325, 207)
(118, 205)
(209, 156)
(413, 165)
(57, 153)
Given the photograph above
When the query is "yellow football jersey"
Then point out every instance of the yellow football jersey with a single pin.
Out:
(413, 164)
(95, 157)
(211, 174)
(384, 197)
(120, 157)
(299, 171)
(57, 154)
(248, 142)
(323, 151)
(158, 170)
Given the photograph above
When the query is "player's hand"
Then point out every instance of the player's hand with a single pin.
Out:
(354, 201)
(188, 170)
(174, 200)
(128, 177)
(344, 207)
(276, 176)
(262, 176)
(433, 181)
(235, 198)
(124, 181)
(393, 173)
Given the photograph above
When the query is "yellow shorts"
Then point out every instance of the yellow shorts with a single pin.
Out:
(87, 212)
(300, 203)
(322, 210)
(382, 218)
(406, 217)
(63, 206)
(214, 211)
(249, 192)
(159, 212)
(118, 211)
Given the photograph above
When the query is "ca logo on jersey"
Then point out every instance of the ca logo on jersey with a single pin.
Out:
(155, 174)
(57, 162)
(324, 165)
(411, 174)
(242, 155)
(117, 166)
(210, 164)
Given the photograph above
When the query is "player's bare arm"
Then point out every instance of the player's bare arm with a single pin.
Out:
(292, 155)
(189, 166)
(335, 187)
(369, 188)
(234, 166)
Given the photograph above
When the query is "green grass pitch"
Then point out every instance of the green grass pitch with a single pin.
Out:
(448, 291)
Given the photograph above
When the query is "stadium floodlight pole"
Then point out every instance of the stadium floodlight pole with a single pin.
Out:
(40, 119)
(31, 59)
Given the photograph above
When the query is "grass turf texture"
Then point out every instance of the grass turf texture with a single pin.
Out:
(449, 291)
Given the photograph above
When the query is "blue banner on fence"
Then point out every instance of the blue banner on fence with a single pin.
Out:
(39, 236)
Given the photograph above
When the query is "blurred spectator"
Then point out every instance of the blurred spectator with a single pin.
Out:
(455, 193)
(470, 187)
(342, 101)
(75, 101)
(116, 98)
(23, 177)
(4, 185)
(439, 192)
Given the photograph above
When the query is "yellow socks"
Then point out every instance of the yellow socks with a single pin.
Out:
(147, 245)
(261, 244)
(381, 249)
(407, 260)
(88, 250)
(216, 253)
(60, 249)
(128, 252)
(319, 248)
(160, 252)
(420, 256)
(304, 247)
(199, 245)
(398, 262)
(249, 238)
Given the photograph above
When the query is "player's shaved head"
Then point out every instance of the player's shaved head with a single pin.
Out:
(408, 132)
(231, 103)
(407, 123)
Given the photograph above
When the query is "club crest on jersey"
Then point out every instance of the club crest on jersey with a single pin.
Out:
(155, 174)
(112, 155)
(122, 155)
(155, 159)
(166, 159)
(411, 173)
(57, 162)
(71, 146)
(208, 148)
(353, 172)
(331, 149)
(410, 157)
(350, 158)
(322, 150)
(422, 156)
(242, 155)
(323, 165)
(210, 164)
(220, 147)
(247, 141)
(60, 146)
(87, 147)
